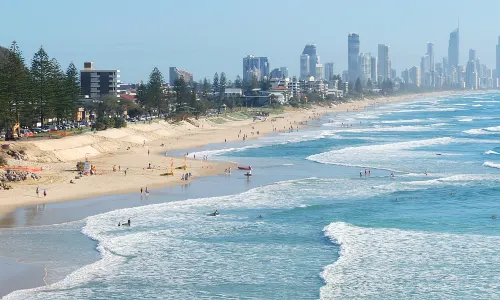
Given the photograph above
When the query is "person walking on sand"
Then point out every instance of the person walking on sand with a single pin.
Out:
(37, 191)
(44, 193)
(141, 190)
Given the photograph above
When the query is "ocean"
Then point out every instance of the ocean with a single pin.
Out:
(417, 225)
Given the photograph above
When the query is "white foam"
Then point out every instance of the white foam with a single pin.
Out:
(486, 101)
(466, 120)
(385, 156)
(384, 129)
(491, 164)
(459, 179)
(281, 139)
(404, 121)
(380, 263)
(491, 152)
(476, 105)
(484, 131)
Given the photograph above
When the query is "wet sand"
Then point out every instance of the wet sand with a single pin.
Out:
(15, 275)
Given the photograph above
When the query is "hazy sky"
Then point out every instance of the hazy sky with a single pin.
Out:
(208, 36)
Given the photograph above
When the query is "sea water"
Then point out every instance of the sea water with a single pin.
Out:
(418, 225)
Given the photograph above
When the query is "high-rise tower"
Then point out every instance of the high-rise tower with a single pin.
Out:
(309, 50)
(384, 64)
(453, 50)
(352, 57)
(497, 81)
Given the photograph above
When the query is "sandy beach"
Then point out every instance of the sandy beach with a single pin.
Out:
(142, 150)
(133, 149)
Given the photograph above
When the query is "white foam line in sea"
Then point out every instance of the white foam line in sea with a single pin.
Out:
(384, 263)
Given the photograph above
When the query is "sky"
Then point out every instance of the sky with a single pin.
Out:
(204, 37)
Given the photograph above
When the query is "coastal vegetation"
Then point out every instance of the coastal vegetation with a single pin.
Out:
(38, 91)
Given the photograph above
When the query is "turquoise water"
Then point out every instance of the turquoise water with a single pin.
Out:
(326, 232)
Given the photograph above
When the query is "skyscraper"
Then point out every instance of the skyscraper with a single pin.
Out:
(304, 66)
(453, 50)
(374, 65)
(472, 54)
(319, 72)
(352, 56)
(329, 71)
(424, 71)
(497, 83)
(415, 76)
(258, 66)
(430, 53)
(310, 50)
(365, 69)
(276, 73)
(471, 75)
(384, 64)
(284, 71)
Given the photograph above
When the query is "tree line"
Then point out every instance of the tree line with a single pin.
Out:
(36, 92)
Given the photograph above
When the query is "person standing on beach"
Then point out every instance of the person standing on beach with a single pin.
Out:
(141, 190)
(37, 191)
(148, 151)
(44, 193)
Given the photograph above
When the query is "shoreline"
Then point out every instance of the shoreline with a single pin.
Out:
(105, 150)
(218, 169)
(22, 275)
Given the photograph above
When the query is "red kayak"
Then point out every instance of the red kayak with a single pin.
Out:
(245, 168)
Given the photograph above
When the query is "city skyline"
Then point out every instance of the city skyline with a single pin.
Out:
(136, 49)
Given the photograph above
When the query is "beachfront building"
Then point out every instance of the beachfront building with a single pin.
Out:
(329, 71)
(453, 50)
(233, 92)
(319, 71)
(97, 83)
(374, 69)
(176, 74)
(281, 72)
(353, 57)
(384, 63)
(304, 66)
(365, 68)
(425, 73)
(309, 59)
(255, 66)
(414, 76)
(471, 76)
(497, 71)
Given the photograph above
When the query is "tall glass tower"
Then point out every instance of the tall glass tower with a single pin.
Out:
(352, 57)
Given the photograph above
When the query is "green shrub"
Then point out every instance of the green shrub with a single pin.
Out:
(109, 122)
(120, 122)
(99, 125)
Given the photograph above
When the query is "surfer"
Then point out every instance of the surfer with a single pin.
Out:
(216, 213)
(392, 175)
(494, 217)
(128, 222)
(260, 217)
